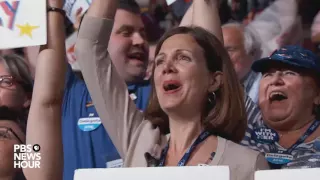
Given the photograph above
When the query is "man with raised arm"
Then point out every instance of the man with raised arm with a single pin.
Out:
(86, 144)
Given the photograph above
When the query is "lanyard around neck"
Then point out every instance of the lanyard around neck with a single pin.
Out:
(309, 131)
(203, 136)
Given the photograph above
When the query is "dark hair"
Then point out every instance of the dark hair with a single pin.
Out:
(19, 51)
(227, 116)
(18, 117)
(152, 28)
(316, 111)
(129, 5)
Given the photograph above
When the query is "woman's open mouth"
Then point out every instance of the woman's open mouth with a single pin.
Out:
(277, 96)
(171, 86)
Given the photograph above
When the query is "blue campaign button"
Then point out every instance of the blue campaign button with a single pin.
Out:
(316, 144)
(265, 135)
(89, 123)
(277, 158)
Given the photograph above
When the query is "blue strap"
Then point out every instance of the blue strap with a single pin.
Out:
(309, 131)
(203, 136)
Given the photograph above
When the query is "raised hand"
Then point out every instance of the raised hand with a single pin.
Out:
(45, 111)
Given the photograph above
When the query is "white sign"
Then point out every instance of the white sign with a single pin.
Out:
(26, 156)
(156, 173)
(71, 7)
(70, 49)
(169, 2)
(22, 23)
(289, 174)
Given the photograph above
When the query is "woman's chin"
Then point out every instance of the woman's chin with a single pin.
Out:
(171, 107)
(278, 121)
(276, 115)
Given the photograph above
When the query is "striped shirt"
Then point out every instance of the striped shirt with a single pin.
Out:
(305, 155)
(254, 116)
(251, 84)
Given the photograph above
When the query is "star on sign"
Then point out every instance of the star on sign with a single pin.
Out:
(26, 29)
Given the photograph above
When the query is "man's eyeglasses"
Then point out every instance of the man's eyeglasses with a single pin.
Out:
(8, 134)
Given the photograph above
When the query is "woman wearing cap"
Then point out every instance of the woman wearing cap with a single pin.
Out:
(289, 98)
(196, 97)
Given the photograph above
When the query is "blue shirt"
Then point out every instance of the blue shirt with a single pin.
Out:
(140, 94)
(94, 148)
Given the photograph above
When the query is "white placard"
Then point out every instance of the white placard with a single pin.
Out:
(22, 23)
(288, 174)
(70, 49)
(156, 173)
(71, 7)
(169, 2)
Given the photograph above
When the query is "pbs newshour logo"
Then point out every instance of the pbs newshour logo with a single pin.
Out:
(27, 156)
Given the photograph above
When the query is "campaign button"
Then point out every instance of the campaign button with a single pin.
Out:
(265, 135)
(277, 158)
(115, 164)
(89, 123)
(133, 96)
(316, 144)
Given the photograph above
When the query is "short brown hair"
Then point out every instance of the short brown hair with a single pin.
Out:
(227, 117)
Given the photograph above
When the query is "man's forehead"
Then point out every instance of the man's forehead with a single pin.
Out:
(232, 35)
(232, 31)
(124, 17)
